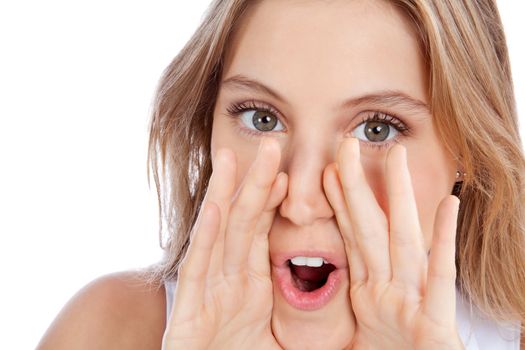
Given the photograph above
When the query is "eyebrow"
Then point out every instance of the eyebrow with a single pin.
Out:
(382, 98)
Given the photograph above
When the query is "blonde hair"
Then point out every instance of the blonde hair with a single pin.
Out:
(472, 101)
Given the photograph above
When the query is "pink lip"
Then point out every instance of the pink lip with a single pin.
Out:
(316, 299)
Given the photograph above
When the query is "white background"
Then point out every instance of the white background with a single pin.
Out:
(76, 83)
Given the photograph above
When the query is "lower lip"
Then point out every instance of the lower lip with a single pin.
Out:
(307, 301)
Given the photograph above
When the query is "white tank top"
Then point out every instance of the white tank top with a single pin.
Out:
(476, 332)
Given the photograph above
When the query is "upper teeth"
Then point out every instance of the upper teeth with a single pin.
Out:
(308, 261)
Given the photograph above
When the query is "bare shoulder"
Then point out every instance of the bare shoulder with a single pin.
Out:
(115, 311)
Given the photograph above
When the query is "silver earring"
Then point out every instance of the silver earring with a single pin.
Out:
(460, 174)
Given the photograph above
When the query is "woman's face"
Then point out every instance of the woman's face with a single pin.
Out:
(313, 73)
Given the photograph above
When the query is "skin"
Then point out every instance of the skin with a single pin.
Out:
(314, 184)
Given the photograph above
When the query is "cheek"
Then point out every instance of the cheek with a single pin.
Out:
(432, 182)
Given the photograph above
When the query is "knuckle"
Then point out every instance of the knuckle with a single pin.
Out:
(370, 233)
(400, 237)
(261, 183)
(241, 223)
(442, 273)
(348, 186)
(241, 207)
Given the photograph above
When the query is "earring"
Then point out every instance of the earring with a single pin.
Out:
(459, 183)
(459, 174)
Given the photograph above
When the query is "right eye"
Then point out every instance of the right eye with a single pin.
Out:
(256, 119)
(262, 120)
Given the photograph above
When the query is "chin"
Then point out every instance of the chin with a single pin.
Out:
(320, 319)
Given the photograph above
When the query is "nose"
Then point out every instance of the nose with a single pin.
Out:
(306, 201)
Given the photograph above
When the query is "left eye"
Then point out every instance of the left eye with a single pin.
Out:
(260, 119)
(375, 131)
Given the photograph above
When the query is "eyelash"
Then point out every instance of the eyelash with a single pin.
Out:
(235, 109)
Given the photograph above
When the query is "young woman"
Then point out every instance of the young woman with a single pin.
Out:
(309, 157)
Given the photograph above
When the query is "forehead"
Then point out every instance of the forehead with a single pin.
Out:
(334, 49)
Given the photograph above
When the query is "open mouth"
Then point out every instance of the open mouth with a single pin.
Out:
(307, 282)
(309, 274)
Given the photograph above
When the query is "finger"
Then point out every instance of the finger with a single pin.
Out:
(191, 281)
(369, 223)
(407, 253)
(278, 192)
(248, 206)
(440, 297)
(334, 193)
(221, 191)
(259, 258)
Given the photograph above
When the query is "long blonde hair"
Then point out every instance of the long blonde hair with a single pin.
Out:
(472, 101)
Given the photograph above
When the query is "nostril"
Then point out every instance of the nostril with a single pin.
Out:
(302, 211)
(297, 212)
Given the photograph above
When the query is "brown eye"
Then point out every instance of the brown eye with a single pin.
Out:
(256, 119)
(260, 120)
(376, 131)
(264, 121)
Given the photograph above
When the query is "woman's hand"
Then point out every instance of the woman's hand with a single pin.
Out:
(223, 297)
(401, 298)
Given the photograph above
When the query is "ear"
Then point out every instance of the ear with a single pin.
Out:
(459, 161)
